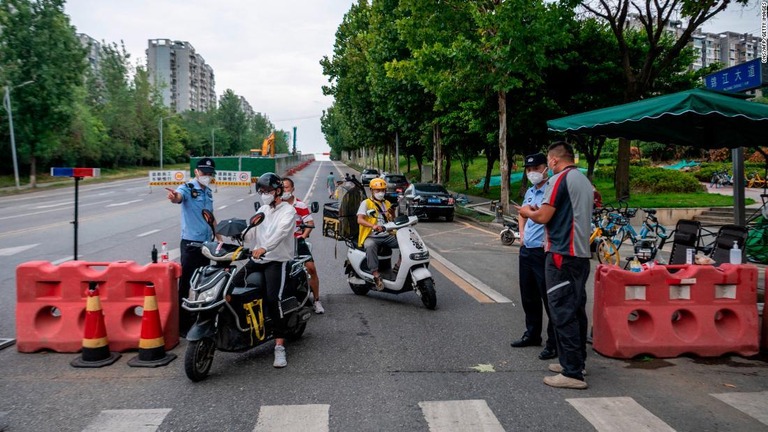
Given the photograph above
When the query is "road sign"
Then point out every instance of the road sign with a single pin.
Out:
(742, 77)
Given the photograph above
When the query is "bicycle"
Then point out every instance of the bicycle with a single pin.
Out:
(720, 179)
(602, 229)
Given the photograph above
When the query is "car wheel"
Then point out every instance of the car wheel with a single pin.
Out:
(449, 218)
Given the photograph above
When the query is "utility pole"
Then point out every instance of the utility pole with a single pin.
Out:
(7, 105)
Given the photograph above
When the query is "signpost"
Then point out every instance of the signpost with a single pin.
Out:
(742, 77)
(77, 174)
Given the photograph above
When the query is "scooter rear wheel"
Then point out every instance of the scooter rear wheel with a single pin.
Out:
(295, 334)
(199, 358)
(507, 237)
(426, 290)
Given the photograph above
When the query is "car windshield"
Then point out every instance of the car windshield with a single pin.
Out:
(430, 188)
(396, 179)
(370, 171)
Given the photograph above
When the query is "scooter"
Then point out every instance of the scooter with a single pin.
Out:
(510, 233)
(232, 316)
(414, 271)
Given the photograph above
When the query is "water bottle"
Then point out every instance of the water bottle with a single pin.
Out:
(635, 265)
(164, 252)
(735, 253)
(154, 254)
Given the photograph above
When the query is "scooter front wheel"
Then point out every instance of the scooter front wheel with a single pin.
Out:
(507, 237)
(199, 358)
(426, 290)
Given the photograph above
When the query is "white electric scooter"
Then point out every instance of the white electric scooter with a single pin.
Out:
(414, 271)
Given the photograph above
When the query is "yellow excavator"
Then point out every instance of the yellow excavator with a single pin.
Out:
(268, 146)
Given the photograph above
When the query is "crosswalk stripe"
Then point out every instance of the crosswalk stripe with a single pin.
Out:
(619, 414)
(142, 420)
(460, 415)
(293, 418)
(754, 404)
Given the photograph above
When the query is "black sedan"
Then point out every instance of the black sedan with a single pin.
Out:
(428, 200)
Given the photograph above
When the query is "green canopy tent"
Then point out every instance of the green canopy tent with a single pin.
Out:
(699, 117)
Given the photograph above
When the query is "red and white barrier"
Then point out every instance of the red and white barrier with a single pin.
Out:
(701, 310)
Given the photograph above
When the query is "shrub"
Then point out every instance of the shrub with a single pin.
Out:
(660, 180)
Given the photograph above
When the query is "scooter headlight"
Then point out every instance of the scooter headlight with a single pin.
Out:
(419, 256)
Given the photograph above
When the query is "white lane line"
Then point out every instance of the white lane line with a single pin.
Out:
(124, 203)
(222, 207)
(63, 260)
(147, 420)
(293, 418)
(477, 283)
(312, 186)
(618, 414)
(52, 210)
(754, 404)
(14, 250)
(460, 415)
(69, 203)
(240, 200)
(144, 234)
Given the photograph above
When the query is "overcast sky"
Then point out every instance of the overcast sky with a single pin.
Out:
(265, 50)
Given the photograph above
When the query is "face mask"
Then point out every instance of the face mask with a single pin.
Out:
(550, 173)
(379, 195)
(535, 177)
(204, 180)
(286, 196)
(267, 198)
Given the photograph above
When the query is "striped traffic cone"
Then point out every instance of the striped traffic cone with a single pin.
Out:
(95, 345)
(152, 344)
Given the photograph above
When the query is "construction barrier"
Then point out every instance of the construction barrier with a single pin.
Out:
(51, 300)
(700, 309)
(764, 340)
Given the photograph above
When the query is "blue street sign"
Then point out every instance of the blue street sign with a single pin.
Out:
(739, 78)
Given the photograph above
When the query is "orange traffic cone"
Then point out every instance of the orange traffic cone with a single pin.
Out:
(152, 344)
(95, 345)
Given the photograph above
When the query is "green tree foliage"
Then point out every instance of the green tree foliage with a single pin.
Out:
(38, 43)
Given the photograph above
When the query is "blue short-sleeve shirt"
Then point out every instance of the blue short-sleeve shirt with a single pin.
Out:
(533, 234)
(194, 200)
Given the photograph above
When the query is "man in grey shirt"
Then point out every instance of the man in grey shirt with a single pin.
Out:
(566, 212)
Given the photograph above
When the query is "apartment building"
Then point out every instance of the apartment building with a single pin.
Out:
(181, 75)
(94, 50)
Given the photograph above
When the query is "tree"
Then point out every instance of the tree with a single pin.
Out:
(38, 43)
(655, 18)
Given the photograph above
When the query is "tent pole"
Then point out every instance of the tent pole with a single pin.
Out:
(737, 156)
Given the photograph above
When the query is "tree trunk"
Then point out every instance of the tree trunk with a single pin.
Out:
(489, 160)
(503, 162)
(447, 167)
(438, 154)
(621, 181)
(33, 172)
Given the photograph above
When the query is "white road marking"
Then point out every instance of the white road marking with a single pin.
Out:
(128, 420)
(65, 259)
(222, 207)
(477, 283)
(312, 186)
(148, 233)
(66, 203)
(51, 210)
(618, 414)
(124, 203)
(241, 199)
(293, 418)
(460, 415)
(14, 250)
(754, 404)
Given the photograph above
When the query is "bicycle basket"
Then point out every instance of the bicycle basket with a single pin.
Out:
(645, 249)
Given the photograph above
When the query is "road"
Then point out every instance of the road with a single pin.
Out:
(371, 363)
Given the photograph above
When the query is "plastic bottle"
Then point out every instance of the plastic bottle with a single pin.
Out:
(164, 252)
(635, 265)
(154, 254)
(735, 253)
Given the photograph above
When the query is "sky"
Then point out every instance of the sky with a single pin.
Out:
(267, 51)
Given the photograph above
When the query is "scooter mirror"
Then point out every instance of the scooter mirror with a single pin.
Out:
(256, 219)
(256, 206)
(371, 213)
(314, 206)
(402, 219)
(208, 217)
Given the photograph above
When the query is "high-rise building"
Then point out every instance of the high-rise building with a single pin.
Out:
(94, 50)
(181, 75)
(247, 108)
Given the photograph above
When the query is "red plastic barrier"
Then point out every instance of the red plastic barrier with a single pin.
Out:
(50, 303)
(703, 310)
(764, 340)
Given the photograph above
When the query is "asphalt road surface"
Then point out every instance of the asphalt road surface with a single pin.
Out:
(379, 362)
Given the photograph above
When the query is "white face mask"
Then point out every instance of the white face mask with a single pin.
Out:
(267, 198)
(379, 195)
(535, 177)
(204, 180)
(286, 196)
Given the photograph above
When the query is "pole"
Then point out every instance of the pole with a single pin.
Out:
(161, 143)
(77, 183)
(397, 153)
(294, 140)
(7, 104)
(737, 156)
(213, 144)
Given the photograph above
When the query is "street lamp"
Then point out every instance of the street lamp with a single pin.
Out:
(161, 139)
(7, 106)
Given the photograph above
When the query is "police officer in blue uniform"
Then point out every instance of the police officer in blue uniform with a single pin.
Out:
(193, 197)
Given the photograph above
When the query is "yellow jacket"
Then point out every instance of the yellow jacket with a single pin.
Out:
(365, 231)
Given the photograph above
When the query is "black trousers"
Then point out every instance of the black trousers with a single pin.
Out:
(191, 259)
(276, 277)
(533, 293)
(567, 295)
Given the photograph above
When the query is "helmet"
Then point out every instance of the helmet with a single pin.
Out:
(268, 182)
(378, 183)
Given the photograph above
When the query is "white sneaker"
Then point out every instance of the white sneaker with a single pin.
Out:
(319, 307)
(280, 361)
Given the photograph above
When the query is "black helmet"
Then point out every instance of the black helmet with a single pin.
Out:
(268, 182)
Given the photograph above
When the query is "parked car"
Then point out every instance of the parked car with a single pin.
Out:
(367, 175)
(428, 200)
(396, 185)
